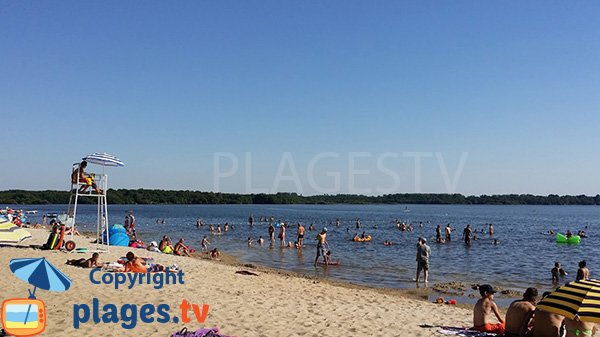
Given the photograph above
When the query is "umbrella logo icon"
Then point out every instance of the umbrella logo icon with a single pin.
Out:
(27, 316)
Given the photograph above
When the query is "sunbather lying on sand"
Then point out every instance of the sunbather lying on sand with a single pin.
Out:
(134, 264)
(92, 262)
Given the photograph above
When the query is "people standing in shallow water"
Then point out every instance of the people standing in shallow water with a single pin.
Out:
(467, 234)
(423, 253)
(491, 229)
(272, 233)
(583, 273)
(448, 233)
(300, 234)
(438, 234)
(557, 272)
(251, 220)
(357, 223)
(282, 234)
(321, 242)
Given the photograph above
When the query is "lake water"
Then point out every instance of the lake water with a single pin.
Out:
(523, 258)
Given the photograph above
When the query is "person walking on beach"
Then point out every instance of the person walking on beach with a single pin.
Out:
(448, 233)
(321, 242)
(131, 228)
(300, 235)
(467, 234)
(423, 253)
(205, 244)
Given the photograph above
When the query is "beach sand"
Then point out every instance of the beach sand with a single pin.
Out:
(270, 304)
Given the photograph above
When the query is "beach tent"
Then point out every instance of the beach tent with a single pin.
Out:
(117, 236)
(11, 233)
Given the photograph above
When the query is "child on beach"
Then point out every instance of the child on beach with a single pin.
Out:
(215, 254)
(204, 244)
(483, 309)
(557, 272)
(327, 257)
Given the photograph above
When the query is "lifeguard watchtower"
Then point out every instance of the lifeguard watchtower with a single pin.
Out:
(86, 184)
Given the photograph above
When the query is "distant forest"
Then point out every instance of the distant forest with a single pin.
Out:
(146, 196)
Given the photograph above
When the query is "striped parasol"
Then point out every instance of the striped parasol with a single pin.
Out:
(577, 298)
(103, 159)
(11, 233)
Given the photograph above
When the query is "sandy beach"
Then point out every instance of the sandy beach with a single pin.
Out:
(270, 304)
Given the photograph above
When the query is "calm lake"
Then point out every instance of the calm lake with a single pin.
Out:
(523, 257)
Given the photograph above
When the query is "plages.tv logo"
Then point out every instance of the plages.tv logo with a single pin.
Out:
(27, 316)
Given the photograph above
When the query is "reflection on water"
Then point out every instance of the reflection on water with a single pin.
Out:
(523, 258)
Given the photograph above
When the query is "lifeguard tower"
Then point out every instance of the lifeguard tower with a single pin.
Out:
(94, 186)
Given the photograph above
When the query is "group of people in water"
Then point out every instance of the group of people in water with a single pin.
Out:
(468, 235)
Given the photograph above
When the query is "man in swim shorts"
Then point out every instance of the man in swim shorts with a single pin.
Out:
(448, 233)
(423, 253)
(467, 234)
(321, 242)
(483, 309)
(300, 234)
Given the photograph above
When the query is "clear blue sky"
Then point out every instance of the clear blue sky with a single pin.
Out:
(167, 86)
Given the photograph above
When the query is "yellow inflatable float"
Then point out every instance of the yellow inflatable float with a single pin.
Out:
(366, 239)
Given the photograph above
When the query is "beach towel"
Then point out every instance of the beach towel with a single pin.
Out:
(447, 330)
(205, 332)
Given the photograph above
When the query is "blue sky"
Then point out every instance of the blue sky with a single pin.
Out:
(494, 97)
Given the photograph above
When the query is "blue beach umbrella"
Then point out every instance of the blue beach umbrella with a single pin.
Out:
(40, 274)
(104, 159)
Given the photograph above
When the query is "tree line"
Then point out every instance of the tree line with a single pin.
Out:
(150, 196)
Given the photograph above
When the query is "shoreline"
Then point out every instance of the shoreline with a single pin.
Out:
(273, 303)
(447, 289)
